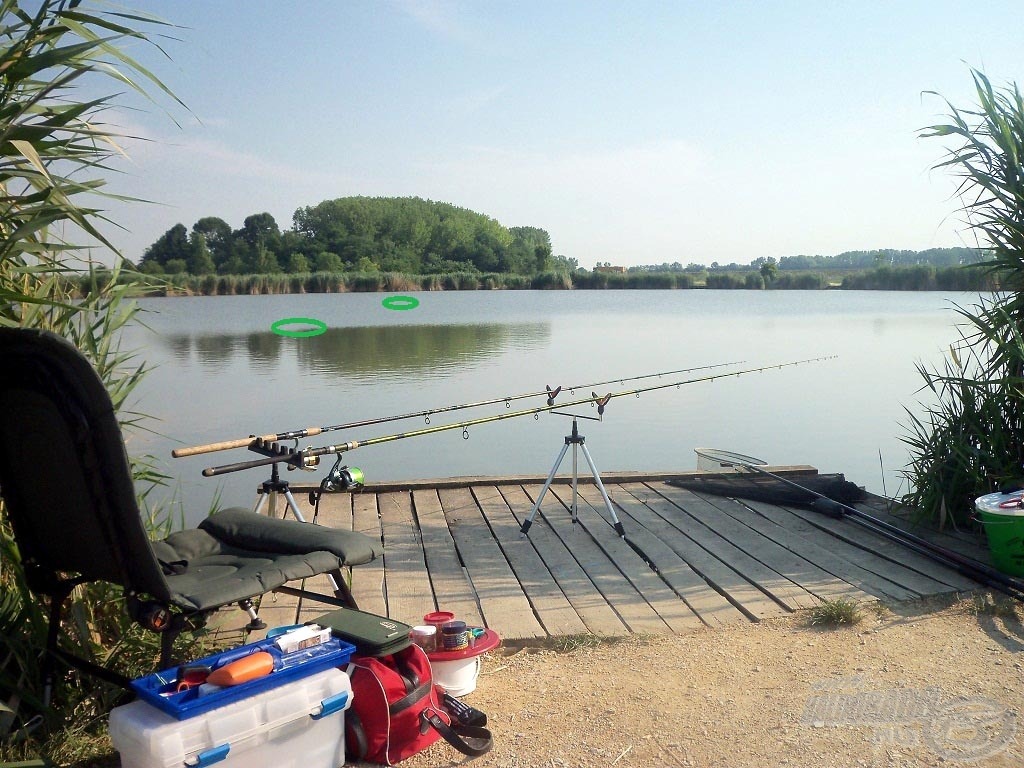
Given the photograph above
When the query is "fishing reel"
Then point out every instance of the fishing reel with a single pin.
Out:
(342, 478)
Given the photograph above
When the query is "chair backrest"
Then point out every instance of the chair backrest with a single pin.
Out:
(64, 474)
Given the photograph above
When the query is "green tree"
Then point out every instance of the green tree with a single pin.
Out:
(200, 260)
(172, 244)
(217, 237)
(298, 264)
(328, 262)
(769, 270)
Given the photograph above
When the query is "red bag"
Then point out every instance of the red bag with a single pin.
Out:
(396, 712)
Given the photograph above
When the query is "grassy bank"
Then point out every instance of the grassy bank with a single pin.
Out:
(922, 278)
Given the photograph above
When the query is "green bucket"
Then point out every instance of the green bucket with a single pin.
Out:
(1002, 514)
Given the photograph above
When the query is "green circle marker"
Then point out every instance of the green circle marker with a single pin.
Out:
(400, 302)
(278, 327)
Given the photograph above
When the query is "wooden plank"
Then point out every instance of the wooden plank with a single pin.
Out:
(946, 579)
(552, 607)
(620, 593)
(452, 588)
(657, 516)
(699, 520)
(631, 476)
(407, 583)
(752, 539)
(368, 579)
(968, 543)
(592, 513)
(502, 600)
(822, 552)
(575, 583)
(709, 604)
(847, 547)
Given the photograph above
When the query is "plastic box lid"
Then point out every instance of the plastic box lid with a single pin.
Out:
(160, 688)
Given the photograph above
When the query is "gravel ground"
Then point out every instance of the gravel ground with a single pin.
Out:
(915, 684)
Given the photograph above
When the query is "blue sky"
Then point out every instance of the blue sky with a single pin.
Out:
(633, 133)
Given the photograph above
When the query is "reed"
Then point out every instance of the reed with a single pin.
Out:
(970, 439)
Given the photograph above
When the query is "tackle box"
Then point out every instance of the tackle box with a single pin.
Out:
(298, 725)
(160, 689)
(372, 635)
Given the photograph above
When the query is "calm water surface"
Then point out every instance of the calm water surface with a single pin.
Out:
(220, 373)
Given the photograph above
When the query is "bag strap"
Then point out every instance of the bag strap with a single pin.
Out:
(357, 736)
(457, 735)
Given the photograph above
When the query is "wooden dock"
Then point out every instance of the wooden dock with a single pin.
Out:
(689, 560)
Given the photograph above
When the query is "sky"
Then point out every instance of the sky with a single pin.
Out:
(634, 133)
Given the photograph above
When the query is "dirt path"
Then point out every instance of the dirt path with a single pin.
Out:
(919, 684)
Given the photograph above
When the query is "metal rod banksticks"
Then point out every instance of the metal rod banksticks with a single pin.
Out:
(299, 434)
(298, 458)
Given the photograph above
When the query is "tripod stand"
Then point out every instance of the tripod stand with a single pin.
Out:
(576, 440)
(269, 490)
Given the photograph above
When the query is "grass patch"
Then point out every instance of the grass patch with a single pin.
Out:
(989, 605)
(835, 613)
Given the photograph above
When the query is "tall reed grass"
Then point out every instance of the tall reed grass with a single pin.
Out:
(970, 440)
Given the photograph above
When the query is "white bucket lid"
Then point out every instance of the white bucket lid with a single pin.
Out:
(1007, 504)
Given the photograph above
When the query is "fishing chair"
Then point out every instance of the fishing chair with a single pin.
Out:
(68, 492)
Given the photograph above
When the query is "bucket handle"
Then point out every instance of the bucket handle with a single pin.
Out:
(976, 519)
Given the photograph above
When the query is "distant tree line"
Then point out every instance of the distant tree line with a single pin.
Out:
(356, 234)
(883, 257)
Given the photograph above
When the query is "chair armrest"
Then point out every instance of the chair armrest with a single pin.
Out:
(243, 529)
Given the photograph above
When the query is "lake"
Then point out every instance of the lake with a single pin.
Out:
(221, 373)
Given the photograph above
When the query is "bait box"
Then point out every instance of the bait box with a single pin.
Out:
(160, 688)
(299, 725)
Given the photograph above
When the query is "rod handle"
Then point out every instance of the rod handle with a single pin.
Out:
(245, 442)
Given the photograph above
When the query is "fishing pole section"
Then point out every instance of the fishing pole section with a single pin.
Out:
(293, 457)
(548, 392)
(824, 504)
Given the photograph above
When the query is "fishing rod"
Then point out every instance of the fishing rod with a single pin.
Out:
(964, 565)
(299, 434)
(309, 457)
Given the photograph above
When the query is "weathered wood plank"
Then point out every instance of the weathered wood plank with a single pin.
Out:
(737, 523)
(502, 600)
(550, 604)
(709, 604)
(621, 595)
(452, 588)
(968, 543)
(666, 603)
(574, 581)
(829, 554)
(699, 520)
(657, 516)
(850, 580)
(846, 547)
(407, 582)
(368, 579)
(944, 579)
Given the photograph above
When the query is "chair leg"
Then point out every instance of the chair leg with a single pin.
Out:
(50, 655)
(167, 638)
(342, 591)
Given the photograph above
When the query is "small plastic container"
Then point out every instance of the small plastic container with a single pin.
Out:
(425, 637)
(455, 636)
(438, 619)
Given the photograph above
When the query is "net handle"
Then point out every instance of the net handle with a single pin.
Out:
(728, 459)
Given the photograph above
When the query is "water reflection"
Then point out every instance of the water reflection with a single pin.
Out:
(364, 353)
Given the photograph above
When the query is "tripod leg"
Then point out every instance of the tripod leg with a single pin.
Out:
(293, 506)
(575, 486)
(604, 494)
(260, 503)
(547, 484)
